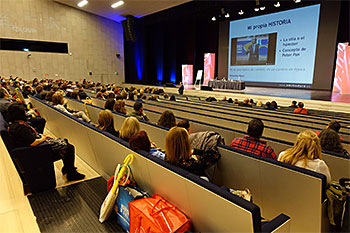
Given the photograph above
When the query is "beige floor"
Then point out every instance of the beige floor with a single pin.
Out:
(16, 214)
(83, 168)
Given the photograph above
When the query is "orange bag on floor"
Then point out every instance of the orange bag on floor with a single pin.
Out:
(154, 214)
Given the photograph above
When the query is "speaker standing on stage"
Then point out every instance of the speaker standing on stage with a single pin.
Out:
(181, 89)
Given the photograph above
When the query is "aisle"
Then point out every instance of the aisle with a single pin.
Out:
(16, 214)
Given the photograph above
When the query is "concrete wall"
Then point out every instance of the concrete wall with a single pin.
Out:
(93, 42)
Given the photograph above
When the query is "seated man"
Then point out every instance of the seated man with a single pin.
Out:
(294, 104)
(333, 124)
(82, 94)
(252, 143)
(25, 135)
(245, 103)
(301, 109)
(138, 112)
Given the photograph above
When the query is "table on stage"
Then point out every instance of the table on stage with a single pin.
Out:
(224, 84)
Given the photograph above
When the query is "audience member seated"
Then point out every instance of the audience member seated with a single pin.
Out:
(268, 106)
(335, 125)
(230, 100)
(153, 97)
(4, 101)
(99, 95)
(109, 104)
(106, 122)
(138, 112)
(82, 94)
(167, 119)
(274, 105)
(119, 106)
(245, 103)
(236, 101)
(131, 96)
(259, 104)
(252, 143)
(110, 95)
(119, 97)
(140, 141)
(251, 101)
(124, 94)
(129, 127)
(27, 90)
(49, 95)
(75, 95)
(210, 99)
(330, 141)
(32, 116)
(306, 153)
(24, 135)
(58, 102)
(39, 89)
(301, 109)
(172, 98)
(179, 152)
(139, 98)
(294, 104)
(184, 124)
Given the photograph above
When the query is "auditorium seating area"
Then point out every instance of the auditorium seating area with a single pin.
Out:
(275, 185)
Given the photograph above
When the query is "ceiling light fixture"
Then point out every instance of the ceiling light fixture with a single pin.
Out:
(277, 4)
(241, 12)
(213, 18)
(115, 5)
(82, 3)
(227, 15)
(256, 8)
(297, 1)
(262, 8)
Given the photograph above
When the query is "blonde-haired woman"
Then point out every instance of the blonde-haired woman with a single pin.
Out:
(129, 127)
(179, 152)
(106, 122)
(306, 153)
(58, 102)
(119, 106)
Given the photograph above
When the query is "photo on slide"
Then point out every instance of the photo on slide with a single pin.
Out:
(254, 50)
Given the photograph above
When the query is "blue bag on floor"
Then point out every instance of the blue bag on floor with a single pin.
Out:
(127, 193)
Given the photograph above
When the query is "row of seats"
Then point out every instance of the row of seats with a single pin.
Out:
(274, 184)
(339, 164)
(272, 118)
(238, 121)
(210, 208)
(327, 115)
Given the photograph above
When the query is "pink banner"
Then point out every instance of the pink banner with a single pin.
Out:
(187, 74)
(209, 67)
(342, 71)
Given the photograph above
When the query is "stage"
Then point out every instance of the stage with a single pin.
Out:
(313, 99)
(288, 93)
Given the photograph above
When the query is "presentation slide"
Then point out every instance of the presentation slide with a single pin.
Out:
(278, 49)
